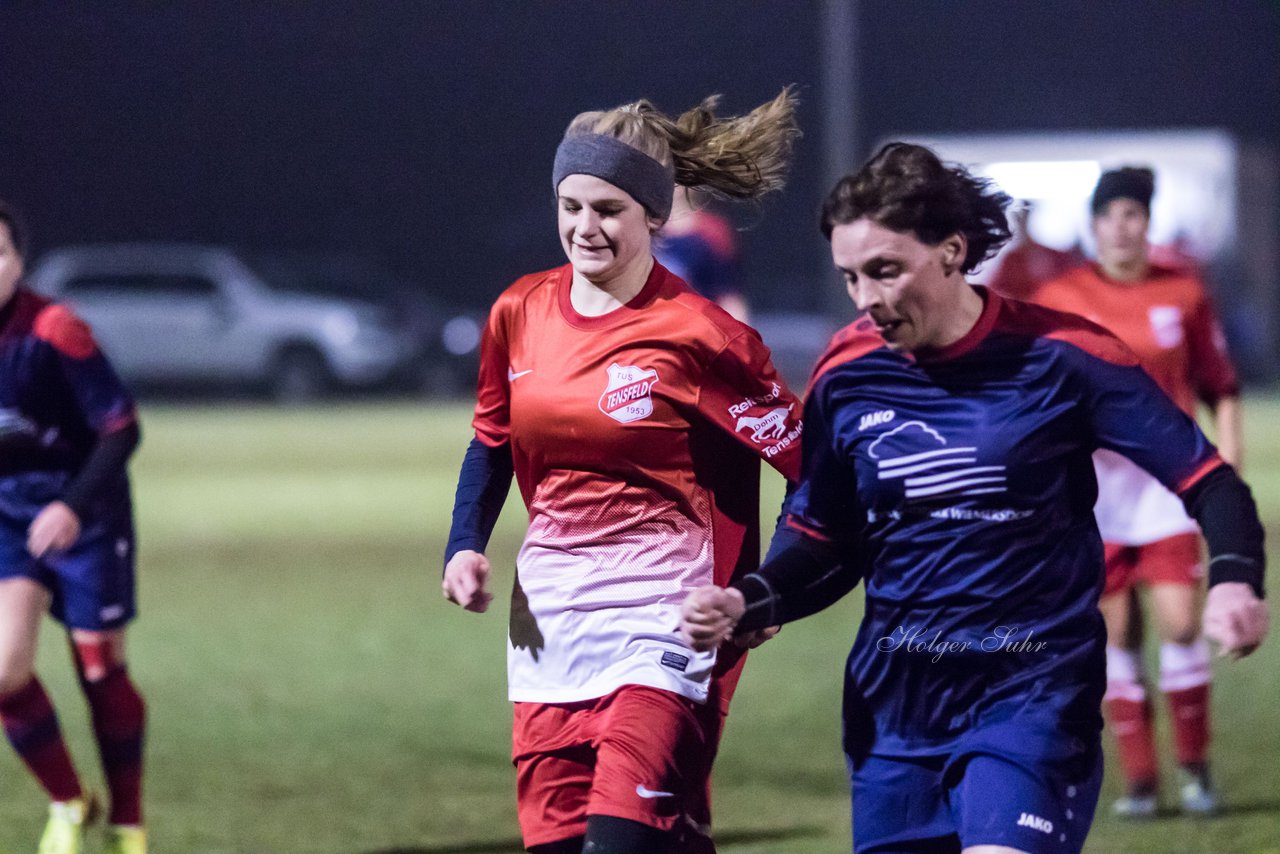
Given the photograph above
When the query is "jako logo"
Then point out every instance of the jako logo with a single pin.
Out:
(875, 419)
(1035, 822)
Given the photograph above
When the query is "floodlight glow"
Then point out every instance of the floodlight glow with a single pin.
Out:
(1061, 179)
(461, 335)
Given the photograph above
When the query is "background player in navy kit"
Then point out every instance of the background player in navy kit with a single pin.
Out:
(67, 428)
(699, 245)
(947, 451)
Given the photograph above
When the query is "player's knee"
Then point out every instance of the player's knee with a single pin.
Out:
(1183, 631)
(1124, 630)
(96, 657)
(13, 678)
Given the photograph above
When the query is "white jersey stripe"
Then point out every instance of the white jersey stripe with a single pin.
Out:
(911, 458)
(951, 475)
(935, 464)
(951, 487)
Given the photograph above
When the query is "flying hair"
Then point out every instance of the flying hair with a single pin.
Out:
(735, 157)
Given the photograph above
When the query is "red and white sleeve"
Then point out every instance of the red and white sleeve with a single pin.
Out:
(742, 393)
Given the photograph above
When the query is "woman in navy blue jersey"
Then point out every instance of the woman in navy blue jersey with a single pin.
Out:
(947, 462)
(67, 429)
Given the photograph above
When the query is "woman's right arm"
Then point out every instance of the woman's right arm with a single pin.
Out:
(802, 575)
(485, 478)
(483, 484)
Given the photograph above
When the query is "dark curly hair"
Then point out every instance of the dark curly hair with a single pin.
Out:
(17, 229)
(907, 188)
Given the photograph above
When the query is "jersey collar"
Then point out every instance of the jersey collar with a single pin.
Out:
(657, 276)
(981, 329)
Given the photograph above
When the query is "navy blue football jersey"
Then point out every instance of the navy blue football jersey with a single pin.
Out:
(58, 393)
(965, 480)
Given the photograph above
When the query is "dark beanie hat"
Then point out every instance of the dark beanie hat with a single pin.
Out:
(1128, 182)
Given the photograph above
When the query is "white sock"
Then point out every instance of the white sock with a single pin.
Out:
(1124, 675)
(1184, 666)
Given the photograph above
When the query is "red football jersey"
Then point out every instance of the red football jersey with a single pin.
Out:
(1167, 319)
(1169, 322)
(636, 437)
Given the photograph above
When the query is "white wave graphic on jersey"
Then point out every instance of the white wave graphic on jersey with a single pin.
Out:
(938, 473)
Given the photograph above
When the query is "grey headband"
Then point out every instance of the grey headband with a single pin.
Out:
(609, 158)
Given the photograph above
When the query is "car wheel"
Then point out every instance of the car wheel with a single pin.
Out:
(299, 375)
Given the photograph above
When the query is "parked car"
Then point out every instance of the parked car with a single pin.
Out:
(444, 340)
(176, 314)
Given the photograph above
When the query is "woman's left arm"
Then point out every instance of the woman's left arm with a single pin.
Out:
(743, 395)
(108, 410)
(1129, 414)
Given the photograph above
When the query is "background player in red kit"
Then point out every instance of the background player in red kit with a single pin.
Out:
(67, 428)
(634, 413)
(1165, 316)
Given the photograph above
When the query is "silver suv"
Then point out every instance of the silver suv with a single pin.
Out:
(183, 314)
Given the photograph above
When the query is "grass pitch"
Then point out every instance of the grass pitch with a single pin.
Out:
(310, 691)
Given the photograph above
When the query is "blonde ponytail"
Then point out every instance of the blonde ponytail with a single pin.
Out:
(740, 157)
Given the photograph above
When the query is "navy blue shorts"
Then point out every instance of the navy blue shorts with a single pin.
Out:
(92, 583)
(937, 804)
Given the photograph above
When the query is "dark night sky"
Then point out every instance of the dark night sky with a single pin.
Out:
(424, 132)
(1074, 64)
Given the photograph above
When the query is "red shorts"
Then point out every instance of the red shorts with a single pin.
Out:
(639, 753)
(1173, 560)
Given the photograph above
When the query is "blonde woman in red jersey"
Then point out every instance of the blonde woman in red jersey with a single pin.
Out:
(633, 413)
(1166, 317)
